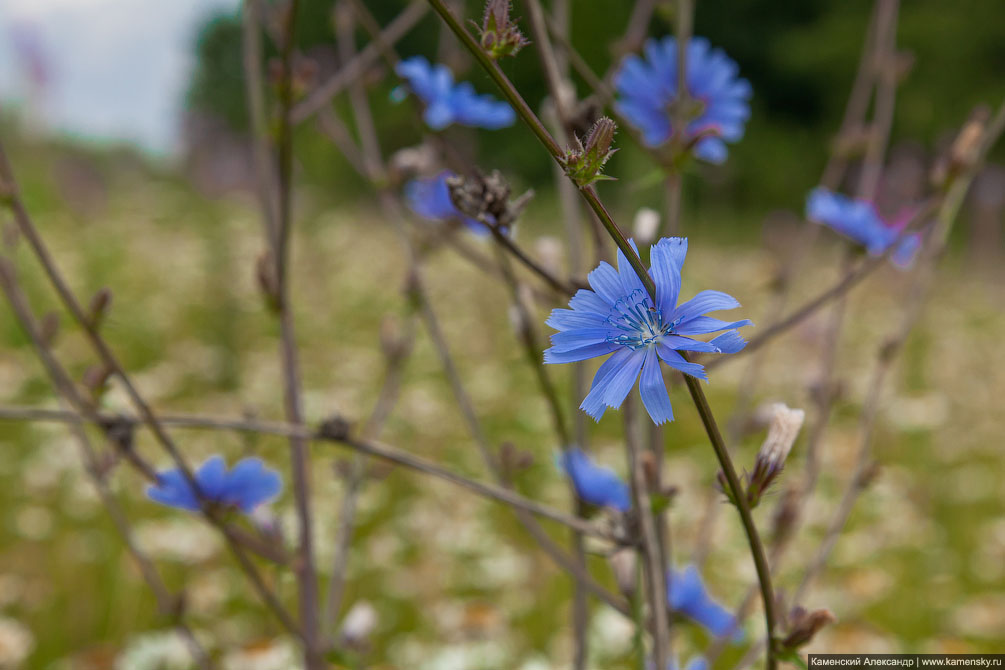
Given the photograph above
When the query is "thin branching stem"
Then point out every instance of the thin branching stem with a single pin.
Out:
(324, 93)
(306, 570)
(655, 565)
(841, 287)
(27, 228)
(395, 213)
(562, 95)
(532, 352)
(168, 604)
(697, 395)
(369, 447)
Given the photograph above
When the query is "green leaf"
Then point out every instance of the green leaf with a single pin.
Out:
(792, 656)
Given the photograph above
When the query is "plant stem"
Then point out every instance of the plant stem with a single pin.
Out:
(753, 538)
(839, 289)
(69, 397)
(44, 256)
(655, 566)
(306, 571)
(524, 111)
(323, 94)
(697, 395)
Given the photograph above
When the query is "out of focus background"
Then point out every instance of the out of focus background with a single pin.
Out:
(126, 125)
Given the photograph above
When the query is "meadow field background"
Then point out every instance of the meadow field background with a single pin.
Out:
(167, 218)
(454, 579)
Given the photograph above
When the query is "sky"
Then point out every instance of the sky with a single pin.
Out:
(115, 70)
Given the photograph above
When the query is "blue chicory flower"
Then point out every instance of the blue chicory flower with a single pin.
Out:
(430, 199)
(860, 221)
(595, 484)
(246, 486)
(447, 103)
(647, 89)
(687, 595)
(618, 317)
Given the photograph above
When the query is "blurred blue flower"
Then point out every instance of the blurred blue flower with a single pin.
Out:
(246, 486)
(447, 103)
(647, 90)
(696, 663)
(430, 199)
(860, 221)
(595, 484)
(618, 317)
(686, 595)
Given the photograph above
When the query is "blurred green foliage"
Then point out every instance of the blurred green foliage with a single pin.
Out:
(446, 571)
(453, 577)
(800, 56)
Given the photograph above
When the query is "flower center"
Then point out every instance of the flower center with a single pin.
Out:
(638, 322)
(690, 109)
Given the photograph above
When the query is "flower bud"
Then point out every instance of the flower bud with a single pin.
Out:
(269, 524)
(265, 274)
(624, 564)
(486, 198)
(499, 34)
(513, 460)
(420, 159)
(803, 626)
(584, 163)
(95, 380)
(120, 432)
(49, 328)
(782, 433)
(395, 341)
(336, 428)
(965, 149)
(99, 306)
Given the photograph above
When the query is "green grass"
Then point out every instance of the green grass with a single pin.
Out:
(921, 567)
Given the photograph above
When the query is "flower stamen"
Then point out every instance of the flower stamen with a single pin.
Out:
(641, 323)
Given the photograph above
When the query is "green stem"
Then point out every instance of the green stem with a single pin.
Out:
(753, 537)
(524, 111)
(527, 115)
(639, 616)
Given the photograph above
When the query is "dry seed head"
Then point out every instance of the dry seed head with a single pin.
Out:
(782, 434)
(803, 626)
(623, 565)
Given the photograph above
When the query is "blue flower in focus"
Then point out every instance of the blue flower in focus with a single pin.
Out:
(686, 595)
(647, 90)
(618, 317)
(447, 103)
(860, 221)
(246, 486)
(430, 199)
(595, 484)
